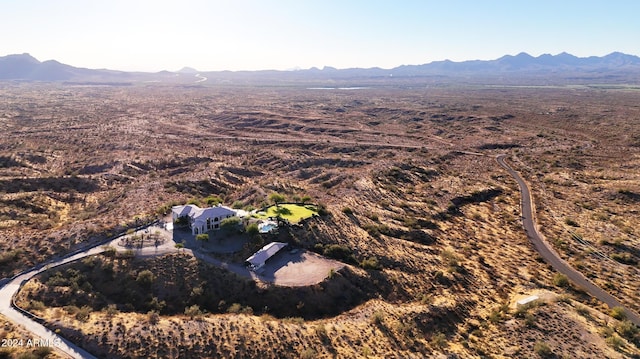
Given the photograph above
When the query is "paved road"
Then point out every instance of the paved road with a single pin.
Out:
(39, 331)
(551, 256)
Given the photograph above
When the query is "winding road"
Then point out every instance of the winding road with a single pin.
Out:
(39, 331)
(551, 256)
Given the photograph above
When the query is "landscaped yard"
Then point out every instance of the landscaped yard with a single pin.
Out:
(291, 212)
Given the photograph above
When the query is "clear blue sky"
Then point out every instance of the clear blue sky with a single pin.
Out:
(158, 35)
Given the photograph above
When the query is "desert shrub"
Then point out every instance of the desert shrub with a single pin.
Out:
(153, 317)
(373, 216)
(111, 310)
(212, 200)
(347, 210)
(627, 329)
(338, 251)
(615, 342)
(204, 237)
(543, 350)
(36, 305)
(378, 317)
(237, 205)
(371, 263)
(332, 273)
(583, 311)
(560, 280)
(295, 320)
(42, 352)
(529, 320)
(234, 308)
(83, 313)
(438, 340)
(322, 210)
(571, 222)
(308, 353)
(145, 278)
(618, 313)
(624, 258)
(193, 311)
(10, 256)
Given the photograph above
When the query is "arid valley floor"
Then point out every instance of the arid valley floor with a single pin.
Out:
(426, 221)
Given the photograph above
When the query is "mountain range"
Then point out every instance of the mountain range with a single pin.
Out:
(612, 68)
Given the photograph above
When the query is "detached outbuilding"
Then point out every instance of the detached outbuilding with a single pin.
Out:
(259, 258)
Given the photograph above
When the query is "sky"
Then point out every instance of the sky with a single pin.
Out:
(209, 35)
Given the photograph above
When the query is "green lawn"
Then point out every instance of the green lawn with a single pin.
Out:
(291, 212)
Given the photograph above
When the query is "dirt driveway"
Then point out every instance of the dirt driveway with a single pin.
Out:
(297, 269)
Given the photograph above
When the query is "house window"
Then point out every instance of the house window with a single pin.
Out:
(215, 219)
(217, 226)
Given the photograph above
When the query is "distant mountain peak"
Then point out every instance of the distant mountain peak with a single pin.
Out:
(615, 66)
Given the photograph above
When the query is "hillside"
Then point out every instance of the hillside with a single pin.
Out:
(409, 179)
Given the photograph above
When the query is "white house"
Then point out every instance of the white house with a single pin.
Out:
(259, 258)
(202, 220)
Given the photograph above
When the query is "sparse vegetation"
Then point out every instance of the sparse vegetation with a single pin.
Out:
(442, 224)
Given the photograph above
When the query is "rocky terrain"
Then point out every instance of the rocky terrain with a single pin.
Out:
(417, 206)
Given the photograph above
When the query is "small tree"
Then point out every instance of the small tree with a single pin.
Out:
(230, 223)
(277, 198)
(145, 278)
(213, 200)
(252, 230)
(193, 311)
(305, 199)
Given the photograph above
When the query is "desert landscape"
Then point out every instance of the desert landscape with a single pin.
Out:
(415, 206)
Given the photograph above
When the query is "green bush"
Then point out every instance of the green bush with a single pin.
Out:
(193, 311)
(560, 280)
(618, 313)
(230, 223)
(371, 263)
(145, 278)
(276, 198)
(347, 210)
(252, 229)
(204, 237)
(336, 251)
(234, 308)
(237, 205)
